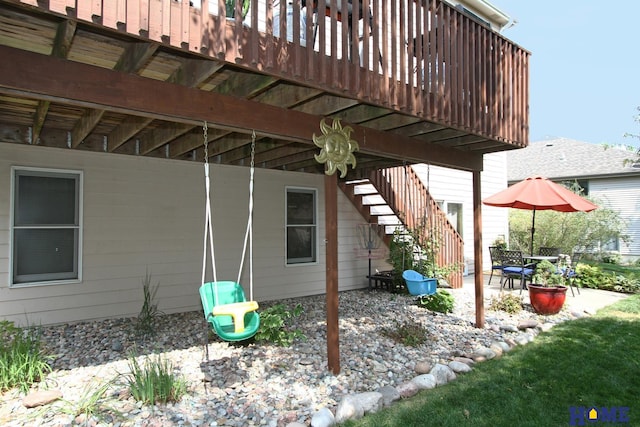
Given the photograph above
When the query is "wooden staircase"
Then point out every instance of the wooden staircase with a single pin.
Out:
(396, 197)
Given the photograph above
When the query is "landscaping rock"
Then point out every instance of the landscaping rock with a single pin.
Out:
(323, 418)
(459, 367)
(41, 398)
(408, 389)
(527, 323)
(484, 352)
(443, 374)
(509, 328)
(389, 395)
(425, 381)
(348, 408)
(423, 367)
(465, 360)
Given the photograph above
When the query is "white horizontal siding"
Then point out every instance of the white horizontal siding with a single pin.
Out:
(623, 196)
(455, 186)
(146, 214)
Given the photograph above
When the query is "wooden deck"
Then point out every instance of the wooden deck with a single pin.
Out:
(140, 76)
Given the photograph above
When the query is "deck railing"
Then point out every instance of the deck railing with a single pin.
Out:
(421, 57)
(410, 200)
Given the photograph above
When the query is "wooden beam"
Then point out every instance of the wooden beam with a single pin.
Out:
(135, 56)
(331, 236)
(127, 129)
(194, 71)
(61, 45)
(89, 86)
(477, 248)
(161, 136)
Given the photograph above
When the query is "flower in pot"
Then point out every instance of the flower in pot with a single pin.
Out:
(547, 291)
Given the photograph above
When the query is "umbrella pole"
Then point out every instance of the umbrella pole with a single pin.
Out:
(533, 230)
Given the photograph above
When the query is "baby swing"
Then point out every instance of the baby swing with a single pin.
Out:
(226, 308)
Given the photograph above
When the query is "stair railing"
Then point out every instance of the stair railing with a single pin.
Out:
(411, 201)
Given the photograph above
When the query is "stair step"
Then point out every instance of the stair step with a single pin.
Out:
(380, 210)
(362, 189)
(375, 199)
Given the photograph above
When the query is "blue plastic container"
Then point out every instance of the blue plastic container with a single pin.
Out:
(418, 285)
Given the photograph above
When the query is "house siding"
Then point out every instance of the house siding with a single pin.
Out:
(455, 186)
(623, 196)
(146, 214)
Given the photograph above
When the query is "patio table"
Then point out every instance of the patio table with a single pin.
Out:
(539, 258)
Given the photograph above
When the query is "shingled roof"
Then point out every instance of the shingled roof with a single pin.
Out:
(563, 158)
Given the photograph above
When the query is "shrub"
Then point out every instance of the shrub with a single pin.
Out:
(274, 328)
(22, 361)
(508, 302)
(591, 276)
(408, 333)
(154, 381)
(442, 301)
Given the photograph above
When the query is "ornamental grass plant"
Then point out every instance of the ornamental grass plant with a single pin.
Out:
(22, 360)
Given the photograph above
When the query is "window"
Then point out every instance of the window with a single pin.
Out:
(301, 226)
(46, 225)
(454, 215)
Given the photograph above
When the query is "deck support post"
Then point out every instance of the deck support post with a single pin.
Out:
(331, 250)
(477, 248)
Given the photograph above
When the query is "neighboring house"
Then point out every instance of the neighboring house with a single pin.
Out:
(601, 171)
(102, 145)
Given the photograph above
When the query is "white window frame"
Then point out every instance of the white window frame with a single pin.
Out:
(44, 278)
(291, 262)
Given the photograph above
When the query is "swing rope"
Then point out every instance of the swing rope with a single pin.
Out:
(248, 236)
(208, 224)
(208, 228)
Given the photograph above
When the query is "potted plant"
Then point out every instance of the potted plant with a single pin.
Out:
(547, 290)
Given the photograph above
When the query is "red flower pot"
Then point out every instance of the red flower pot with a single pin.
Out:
(547, 300)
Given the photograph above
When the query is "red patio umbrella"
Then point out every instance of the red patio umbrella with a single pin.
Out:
(539, 193)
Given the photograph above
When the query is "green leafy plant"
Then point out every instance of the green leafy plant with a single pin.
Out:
(591, 276)
(154, 381)
(230, 8)
(274, 328)
(442, 301)
(547, 275)
(146, 322)
(500, 243)
(22, 360)
(506, 302)
(408, 333)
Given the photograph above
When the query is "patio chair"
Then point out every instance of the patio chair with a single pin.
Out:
(547, 251)
(495, 252)
(570, 274)
(515, 267)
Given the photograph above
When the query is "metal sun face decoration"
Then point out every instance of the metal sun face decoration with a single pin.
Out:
(336, 147)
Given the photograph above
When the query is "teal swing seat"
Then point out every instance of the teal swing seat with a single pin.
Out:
(228, 294)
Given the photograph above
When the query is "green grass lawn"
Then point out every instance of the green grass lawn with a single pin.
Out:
(589, 362)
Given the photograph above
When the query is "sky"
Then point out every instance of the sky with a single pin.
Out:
(584, 68)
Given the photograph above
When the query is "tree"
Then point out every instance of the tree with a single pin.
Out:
(569, 231)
